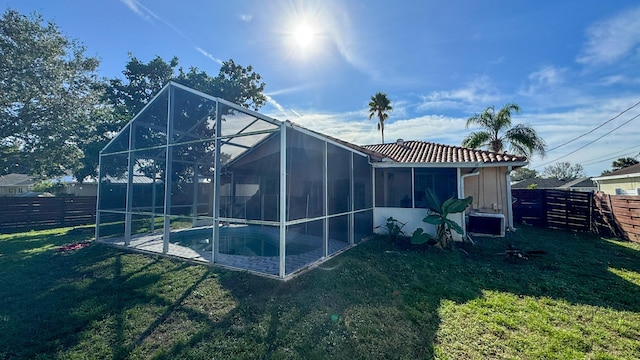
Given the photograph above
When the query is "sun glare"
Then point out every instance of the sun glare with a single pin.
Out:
(303, 36)
(306, 31)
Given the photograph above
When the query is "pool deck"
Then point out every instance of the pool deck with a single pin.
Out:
(269, 265)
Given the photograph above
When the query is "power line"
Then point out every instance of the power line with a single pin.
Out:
(609, 157)
(591, 142)
(595, 128)
(622, 152)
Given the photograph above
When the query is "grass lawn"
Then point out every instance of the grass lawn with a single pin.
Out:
(580, 299)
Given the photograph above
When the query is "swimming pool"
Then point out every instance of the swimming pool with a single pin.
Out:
(245, 240)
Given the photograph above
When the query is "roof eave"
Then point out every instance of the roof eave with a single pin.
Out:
(616, 177)
(466, 164)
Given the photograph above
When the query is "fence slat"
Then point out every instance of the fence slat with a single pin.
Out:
(23, 214)
(606, 215)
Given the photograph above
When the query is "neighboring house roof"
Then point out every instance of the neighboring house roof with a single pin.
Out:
(428, 152)
(553, 183)
(629, 171)
(540, 183)
(16, 180)
(579, 183)
(137, 179)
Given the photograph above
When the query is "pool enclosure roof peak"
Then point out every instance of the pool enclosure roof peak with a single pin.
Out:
(181, 115)
(178, 114)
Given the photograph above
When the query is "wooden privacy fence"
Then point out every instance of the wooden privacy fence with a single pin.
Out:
(28, 213)
(607, 215)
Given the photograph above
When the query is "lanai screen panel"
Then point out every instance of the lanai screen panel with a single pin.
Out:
(321, 203)
(197, 177)
(305, 240)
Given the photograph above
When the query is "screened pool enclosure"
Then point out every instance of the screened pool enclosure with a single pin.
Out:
(200, 178)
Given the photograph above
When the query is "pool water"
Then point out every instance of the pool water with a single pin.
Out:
(241, 240)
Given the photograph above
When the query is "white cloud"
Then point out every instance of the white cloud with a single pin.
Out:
(205, 53)
(475, 94)
(140, 10)
(554, 127)
(133, 6)
(149, 15)
(245, 17)
(559, 127)
(292, 89)
(611, 39)
(274, 103)
(547, 76)
(616, 80)
(545, 80)
(355, 127)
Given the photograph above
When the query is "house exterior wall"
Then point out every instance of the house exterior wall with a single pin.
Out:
(14, 190)
(412, 218)
(487, 186)
(609, 186)
(82, 189)
(489, 191)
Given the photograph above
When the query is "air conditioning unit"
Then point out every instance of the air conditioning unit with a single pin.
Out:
(486, 224)
(627, 192)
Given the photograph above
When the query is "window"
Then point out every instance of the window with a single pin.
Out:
(393, 187)
(442, 181)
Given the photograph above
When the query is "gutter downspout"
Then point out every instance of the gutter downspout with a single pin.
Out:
(474, 172)
(509, 198)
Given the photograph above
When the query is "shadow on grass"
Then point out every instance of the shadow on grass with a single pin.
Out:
(374, 301)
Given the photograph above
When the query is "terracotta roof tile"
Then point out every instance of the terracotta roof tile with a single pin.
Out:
(428, 152)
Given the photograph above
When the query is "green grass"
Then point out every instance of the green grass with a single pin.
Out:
(581, 299)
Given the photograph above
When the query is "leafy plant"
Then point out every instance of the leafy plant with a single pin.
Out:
(48, 186)
(438, 216)
(394, 228)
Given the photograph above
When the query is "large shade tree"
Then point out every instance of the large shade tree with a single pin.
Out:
(564, 170)
(380, 106)
(498, 134)
(523, 173)
(47, 95)
(235, 83)
(142, 81)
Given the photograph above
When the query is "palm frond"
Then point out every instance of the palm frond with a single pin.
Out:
(476, 139)
(524, 140)
(484, 119)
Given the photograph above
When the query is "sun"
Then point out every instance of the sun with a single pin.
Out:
(303, 36)
(305, 31)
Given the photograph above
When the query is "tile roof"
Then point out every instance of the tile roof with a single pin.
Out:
(428, 152)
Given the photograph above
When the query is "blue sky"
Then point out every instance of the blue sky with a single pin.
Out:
(571, 65)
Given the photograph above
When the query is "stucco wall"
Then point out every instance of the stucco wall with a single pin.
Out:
(489, 191)
(610, 186)
(412, 219)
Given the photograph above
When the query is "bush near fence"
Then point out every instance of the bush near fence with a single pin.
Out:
(607, 215)
(28, 213)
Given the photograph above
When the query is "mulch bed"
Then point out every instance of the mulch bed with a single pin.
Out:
(75, 246)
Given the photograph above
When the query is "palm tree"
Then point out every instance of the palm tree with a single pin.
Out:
(379, 106)
(623, 162)
(520, 139)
